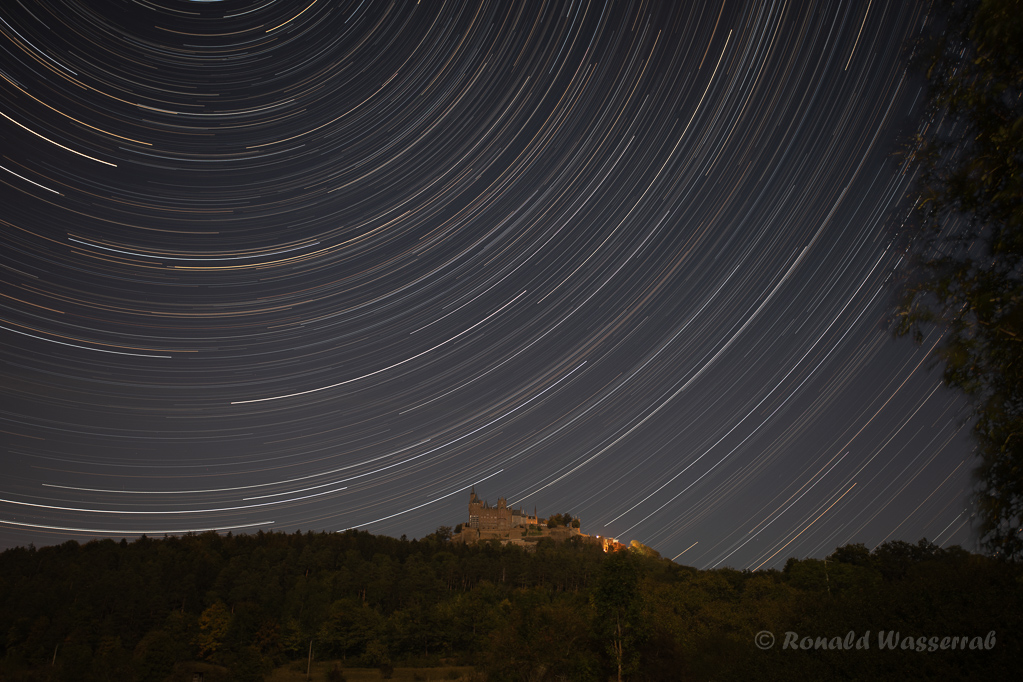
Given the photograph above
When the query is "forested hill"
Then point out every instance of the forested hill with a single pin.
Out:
(247, 604)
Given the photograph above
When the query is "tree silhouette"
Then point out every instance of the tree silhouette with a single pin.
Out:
(616, 601)
(965, 239)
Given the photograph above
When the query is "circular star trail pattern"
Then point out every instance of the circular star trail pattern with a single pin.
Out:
(280, 265)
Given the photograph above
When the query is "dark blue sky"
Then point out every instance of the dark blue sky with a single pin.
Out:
(283, 265)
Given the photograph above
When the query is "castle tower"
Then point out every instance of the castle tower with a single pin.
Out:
(474, 509)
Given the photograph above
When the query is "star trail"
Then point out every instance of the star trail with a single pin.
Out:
(318, 266)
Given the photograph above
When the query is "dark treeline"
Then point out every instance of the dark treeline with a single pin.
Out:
(250, 603)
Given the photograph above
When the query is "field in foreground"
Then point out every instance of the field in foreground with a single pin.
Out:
(320, 673)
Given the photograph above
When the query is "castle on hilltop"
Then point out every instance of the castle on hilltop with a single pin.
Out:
(516, 526)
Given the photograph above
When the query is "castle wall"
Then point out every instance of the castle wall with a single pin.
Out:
(483, 517)
(510, 526)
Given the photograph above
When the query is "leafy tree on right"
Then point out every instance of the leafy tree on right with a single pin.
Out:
(964, 271)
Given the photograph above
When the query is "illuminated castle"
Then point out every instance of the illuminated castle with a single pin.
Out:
(483, 517)
(510, 526)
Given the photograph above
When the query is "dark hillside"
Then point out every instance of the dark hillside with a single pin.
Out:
(245, 604)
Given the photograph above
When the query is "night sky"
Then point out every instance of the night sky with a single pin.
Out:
(277, 265)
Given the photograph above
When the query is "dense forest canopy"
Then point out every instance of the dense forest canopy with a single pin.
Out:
(247, 604)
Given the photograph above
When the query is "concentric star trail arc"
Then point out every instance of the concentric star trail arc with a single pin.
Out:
(338, 262)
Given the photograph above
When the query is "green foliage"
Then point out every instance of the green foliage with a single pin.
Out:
(965, 239)
(564, 611)
(642, 549)
(442, 534)
(213, 625)
(618, 611)
(562, 520)
(349, 626)
(155, 655)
